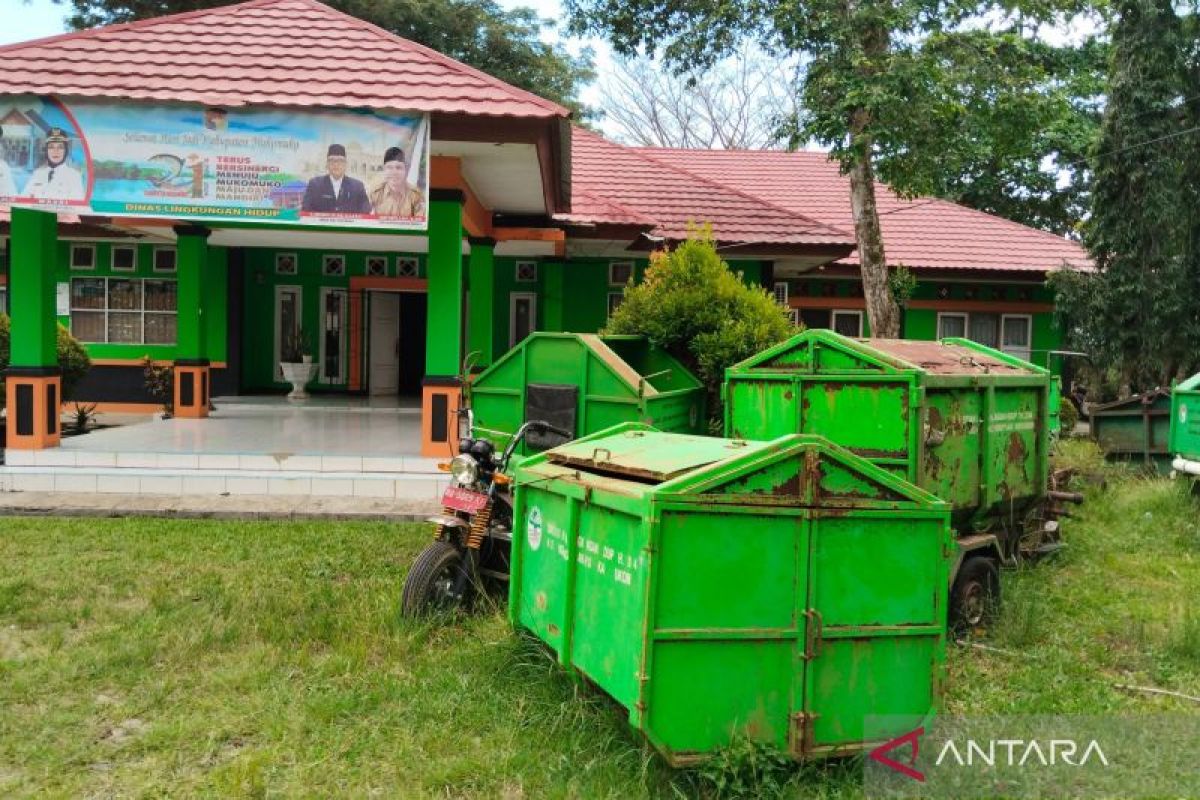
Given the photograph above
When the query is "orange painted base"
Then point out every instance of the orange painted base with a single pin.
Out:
(439, 420)
(191, 391)
(34, 411)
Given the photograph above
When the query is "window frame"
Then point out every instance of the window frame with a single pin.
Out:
(91, 248)
(329, 258)
(612, 281)
(142, 311)
(112, 257)
(1026, 353)
(775, 292)
(614, 301)
(343, 299)
(517, 271)
(165, 248)
(295, 257)
(856, 313)
(966, 322)
(513, 297)
(404, 260)
(367, 264)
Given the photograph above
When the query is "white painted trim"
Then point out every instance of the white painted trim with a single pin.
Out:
(858, 315)
(513, 297)
(158, 248)
(632, 272)
(90, 247)
(343, 338)
(280, 289)
(1025, 352)
(960, 314)
(775, 292)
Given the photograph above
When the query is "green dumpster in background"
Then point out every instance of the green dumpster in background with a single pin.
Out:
(584, 383)
(1135, 429)
(783, 590)
(1185, 427)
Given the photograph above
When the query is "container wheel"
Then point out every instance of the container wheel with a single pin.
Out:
(975, 595)
(428, 587)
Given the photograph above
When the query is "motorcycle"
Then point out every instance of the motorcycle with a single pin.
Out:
(473, 534)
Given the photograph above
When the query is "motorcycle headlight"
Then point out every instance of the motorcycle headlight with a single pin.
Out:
(464, 469)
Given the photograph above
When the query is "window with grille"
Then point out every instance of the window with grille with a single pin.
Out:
(526, 271)
(407, 267)
(377, 266)
(83, 256)
(333, 266)
(781, 293)
(123, 310)
(286, 263)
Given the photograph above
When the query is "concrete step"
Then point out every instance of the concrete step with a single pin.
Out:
(224, 462)
(216, 483)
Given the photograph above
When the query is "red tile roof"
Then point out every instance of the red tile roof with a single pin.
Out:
(614, 184)
(923, 232)
(270, 52)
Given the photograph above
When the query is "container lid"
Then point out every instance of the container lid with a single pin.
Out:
(648, 455)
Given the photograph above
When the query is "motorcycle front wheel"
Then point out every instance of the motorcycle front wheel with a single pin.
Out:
(429, 585)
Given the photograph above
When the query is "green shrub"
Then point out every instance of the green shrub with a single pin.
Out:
(1068, 417)
(73, 359)
(700, 311)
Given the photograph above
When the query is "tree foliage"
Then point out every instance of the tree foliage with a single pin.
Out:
(742, 102)
(504, 43)
(1138, 315)
(700, 311)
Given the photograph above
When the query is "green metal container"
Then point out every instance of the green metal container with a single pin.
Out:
(966, 423)
(1185, 426)
(783, 590)
(584, 383)
(1135, 429)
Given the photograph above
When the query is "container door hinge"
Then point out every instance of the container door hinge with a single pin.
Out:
(802, 732)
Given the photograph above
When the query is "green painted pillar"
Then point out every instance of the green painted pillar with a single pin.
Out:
(481, 269)
(192, 373)
(440, 390)
(33, 251)
(443, 342)
(33, 383)
(554, 297)
(191, 246)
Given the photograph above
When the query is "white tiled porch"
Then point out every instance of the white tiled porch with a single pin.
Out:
(329, 447)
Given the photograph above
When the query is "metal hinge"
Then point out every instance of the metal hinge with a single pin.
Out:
(801, 737)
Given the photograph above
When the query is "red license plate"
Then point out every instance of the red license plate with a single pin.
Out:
(461, 499)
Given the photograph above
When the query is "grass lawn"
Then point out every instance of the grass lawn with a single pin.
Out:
(184, 658)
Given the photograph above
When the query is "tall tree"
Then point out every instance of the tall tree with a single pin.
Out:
(1138, 314)
(875, 78)
(741, 102)
(503, 43)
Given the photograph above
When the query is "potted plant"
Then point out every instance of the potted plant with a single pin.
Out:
(296, 364)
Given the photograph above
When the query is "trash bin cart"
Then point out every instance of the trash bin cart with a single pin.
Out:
(968, 423)
(1135, 429)
(584, 383)
(783, 590)
(1185, 427)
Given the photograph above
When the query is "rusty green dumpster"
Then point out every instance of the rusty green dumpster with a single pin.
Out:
(963, 421)
(783, 590)
(1135, 429)
(584, 383)
(1185, 427)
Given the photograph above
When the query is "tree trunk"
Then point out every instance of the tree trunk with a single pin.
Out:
(882, 311)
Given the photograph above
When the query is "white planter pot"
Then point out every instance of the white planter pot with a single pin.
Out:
(298, 375)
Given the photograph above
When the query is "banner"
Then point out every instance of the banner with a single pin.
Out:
(360, 169)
